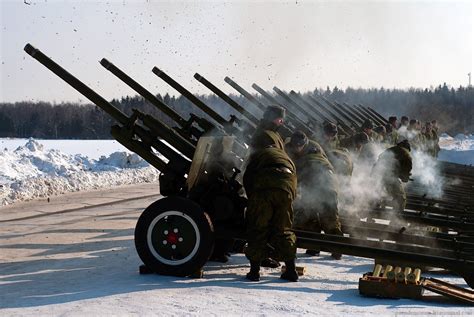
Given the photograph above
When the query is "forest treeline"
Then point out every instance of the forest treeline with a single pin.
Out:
(453, 108)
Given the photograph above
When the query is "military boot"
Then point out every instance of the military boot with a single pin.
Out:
(336, 256)
(290, 273)
(312, 252)
(254, 274)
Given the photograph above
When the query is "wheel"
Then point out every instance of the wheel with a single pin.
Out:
(174, 236)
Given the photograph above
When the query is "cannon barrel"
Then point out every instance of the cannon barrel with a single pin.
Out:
(226, 98)
(307, 105)
(369, 115)
(176, 137)
(295, 122)
(120, 133)
(353, 113)
(225, 127)
(245, 93)
(360, 113)
(335, 117)
(76, 84)
(143, 92)
(341, 113)
(355, 123)
(309, 116)
(170, 81)
(293, 118)
(378, 115)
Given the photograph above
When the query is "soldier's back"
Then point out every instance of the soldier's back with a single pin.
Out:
(263, 138)
(270, 168)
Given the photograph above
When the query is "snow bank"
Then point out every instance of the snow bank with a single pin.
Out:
(93, 149)
(458, 149)
(31, 171)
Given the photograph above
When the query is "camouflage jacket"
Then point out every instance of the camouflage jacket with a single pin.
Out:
(315, 170)
(330, 145)
(264, 137)
(395, 162)
(270, 168)
(341, 161)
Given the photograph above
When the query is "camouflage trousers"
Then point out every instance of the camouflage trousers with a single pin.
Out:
(269, 220)
(395, 190)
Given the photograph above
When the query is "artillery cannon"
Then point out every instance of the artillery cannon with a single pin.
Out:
(203, 197)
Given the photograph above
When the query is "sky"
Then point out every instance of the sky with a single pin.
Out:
(296, 45)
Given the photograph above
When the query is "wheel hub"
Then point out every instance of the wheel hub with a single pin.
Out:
(172, 238)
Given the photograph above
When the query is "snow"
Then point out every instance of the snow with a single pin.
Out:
(32, 171)
(93, 149)
(458, 149)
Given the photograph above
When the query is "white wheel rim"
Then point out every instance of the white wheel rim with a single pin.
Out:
(151, 245)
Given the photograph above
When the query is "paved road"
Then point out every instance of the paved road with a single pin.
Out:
(42, 242)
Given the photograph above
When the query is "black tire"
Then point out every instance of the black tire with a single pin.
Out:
(174, 236)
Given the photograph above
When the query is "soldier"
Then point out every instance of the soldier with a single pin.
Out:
(367, 127)
(390, 136)
(431, 137)
(403, 122)
(355, 143)
(267, 130)
(393, 122)
(380, 134)
(394, 167)
(318, 187)
(270, 184)
(329, 140)
(343, 166)
(434, 125)
(341, 161)
(413, 135)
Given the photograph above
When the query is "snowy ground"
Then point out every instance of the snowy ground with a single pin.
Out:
(82, 262)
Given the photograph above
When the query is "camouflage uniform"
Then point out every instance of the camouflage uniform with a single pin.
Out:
(318, 187)
(341, 161)
(394, 166)
(343, 166)
(392, 137)
(436, 147)
(331, 144)
(355, 144)
(432, 146)
(266, 135)
(329, 139)
(270, 183)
